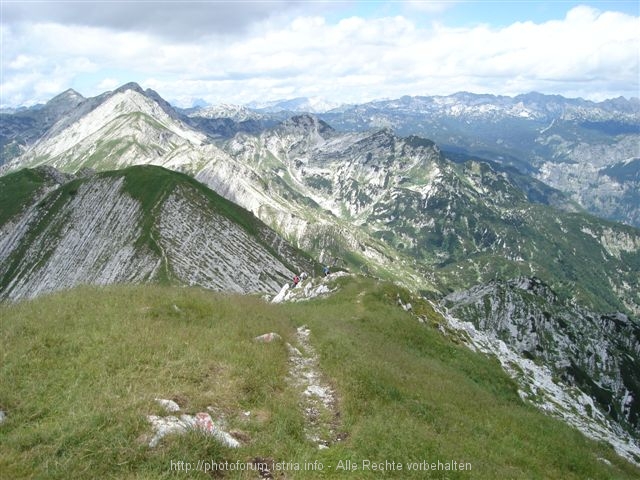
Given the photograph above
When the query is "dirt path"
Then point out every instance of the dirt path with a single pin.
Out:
(317, 397)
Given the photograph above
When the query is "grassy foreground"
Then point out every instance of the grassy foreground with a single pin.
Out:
(79, 372)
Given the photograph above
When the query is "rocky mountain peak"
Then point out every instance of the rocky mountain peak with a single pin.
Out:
(110, 129)
(308, 121)
(383, 138)
(238, 113)
(166, 106)
(61, 104)
(416, 142)
(129, 86)
(306, 124)
(68, 95)
(473, 98)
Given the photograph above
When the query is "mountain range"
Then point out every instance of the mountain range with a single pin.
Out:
(448, 196)
(588, 150)
(421, 216)
(574, 145)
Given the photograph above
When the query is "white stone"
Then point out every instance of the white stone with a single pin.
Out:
(202, 422)
(169, 405)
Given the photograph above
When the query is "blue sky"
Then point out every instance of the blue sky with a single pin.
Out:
(237, 52)
(500, 13)
(469, 12)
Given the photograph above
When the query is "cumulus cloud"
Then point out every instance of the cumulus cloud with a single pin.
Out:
(588, 53)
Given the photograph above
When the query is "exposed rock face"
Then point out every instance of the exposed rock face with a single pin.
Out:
(116, 130)
(209, 249)
(21, 129)
(539, 385)
(93, 230)
(413, 212)
(574, 145)
(91, 239)
(598, 353)
(391, 205)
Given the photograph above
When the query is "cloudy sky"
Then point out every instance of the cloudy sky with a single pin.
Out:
(343, 51)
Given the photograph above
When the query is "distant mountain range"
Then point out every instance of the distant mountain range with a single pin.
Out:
(299, 105)
(124, 188)
(590, 151)
(571, 144)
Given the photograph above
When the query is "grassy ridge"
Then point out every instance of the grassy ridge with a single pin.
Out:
(80, 370)
(151, 184)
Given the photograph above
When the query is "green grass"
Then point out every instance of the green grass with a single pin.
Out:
(80, 370)
(17, 191)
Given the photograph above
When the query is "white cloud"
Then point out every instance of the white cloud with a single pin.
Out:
(588, 53)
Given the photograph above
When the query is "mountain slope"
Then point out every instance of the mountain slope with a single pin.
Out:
(406, 393)
(382, 203)
(136, 225)
(129, 126)
(455, 224)
(395, 207)
(571, 144)
(21, 129)
(564, 142)
(600, 354)
(125, 127)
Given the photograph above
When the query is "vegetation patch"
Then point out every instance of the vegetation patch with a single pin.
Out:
(85, 367)
(17, 191)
